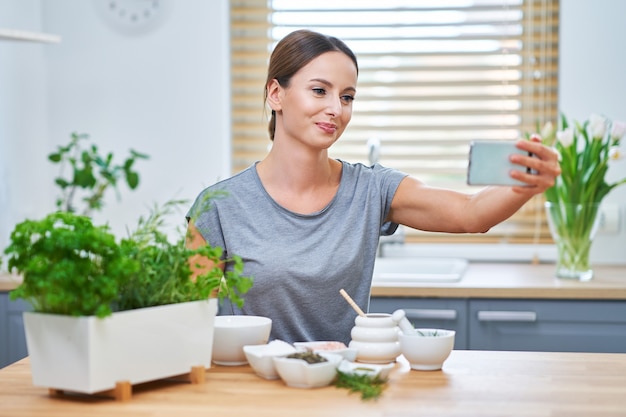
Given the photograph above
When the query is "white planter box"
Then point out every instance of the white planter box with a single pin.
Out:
(89, 355)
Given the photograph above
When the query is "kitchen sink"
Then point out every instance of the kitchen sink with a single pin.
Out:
(407, 270)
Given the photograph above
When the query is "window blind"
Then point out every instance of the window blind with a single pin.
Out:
(433, 75)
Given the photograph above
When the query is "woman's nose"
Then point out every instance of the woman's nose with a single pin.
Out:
(334, 107)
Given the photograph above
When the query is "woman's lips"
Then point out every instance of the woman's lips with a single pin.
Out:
(328, 127)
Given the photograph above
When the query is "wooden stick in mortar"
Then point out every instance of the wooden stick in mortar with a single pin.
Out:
(351, 302)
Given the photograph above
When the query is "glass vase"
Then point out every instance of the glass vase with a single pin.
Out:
(573, 227)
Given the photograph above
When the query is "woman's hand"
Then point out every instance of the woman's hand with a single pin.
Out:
(545, 161)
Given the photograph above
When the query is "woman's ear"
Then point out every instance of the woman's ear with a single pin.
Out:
(273, 95)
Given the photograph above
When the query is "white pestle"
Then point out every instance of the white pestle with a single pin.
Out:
(399, 317)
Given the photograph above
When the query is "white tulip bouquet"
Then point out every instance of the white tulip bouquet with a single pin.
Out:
(585, 152)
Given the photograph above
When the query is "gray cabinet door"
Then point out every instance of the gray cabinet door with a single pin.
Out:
(547, 325)
(12, 339)
(429, 313)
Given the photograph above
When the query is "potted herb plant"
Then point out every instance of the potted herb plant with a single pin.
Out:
(110, 311)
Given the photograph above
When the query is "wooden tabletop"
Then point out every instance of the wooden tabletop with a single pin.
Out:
(471, 383)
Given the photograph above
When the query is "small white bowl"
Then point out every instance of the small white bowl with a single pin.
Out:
(427, 349)
(232, 333)
(328, 347)
(300, 374)
(370, 369)
(260, 357)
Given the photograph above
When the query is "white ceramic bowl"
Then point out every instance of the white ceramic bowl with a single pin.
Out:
(427, 349)
(232, 333)
(260, 357)
(300, 374)
(328, 347)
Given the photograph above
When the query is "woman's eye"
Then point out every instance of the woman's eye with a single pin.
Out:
(347, 98)
(319, 91)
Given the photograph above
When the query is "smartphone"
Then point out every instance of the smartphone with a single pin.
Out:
(489, 163)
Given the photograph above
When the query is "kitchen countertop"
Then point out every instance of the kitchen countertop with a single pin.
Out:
(8, 281)
(492, 280)
(515, 280)
(471, 383)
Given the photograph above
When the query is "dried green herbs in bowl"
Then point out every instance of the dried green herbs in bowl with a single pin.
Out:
(307, 369)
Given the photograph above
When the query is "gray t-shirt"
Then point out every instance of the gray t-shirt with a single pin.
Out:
(300, 262)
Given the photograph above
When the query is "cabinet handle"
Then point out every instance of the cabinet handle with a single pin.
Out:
(507, 316)
(425, 313)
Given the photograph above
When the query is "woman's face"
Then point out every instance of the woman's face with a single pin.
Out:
(317, 106)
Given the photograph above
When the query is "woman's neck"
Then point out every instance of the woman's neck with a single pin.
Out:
(302, 182)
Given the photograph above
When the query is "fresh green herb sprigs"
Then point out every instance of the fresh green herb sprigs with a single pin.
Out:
(165, 268)
(70, 266)
(370, 387)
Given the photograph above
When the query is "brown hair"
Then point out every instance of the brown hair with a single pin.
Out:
(295, 51)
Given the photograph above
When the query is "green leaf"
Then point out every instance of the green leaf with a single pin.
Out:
(63, 183)
(110, 177)
(86, 158)
(138, 155)
(84, 177)
(132, 179)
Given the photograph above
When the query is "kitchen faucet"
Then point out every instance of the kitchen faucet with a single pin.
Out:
(373, 150)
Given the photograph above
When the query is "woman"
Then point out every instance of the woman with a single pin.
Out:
(306, 225)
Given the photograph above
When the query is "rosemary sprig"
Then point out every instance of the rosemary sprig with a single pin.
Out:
(370, 387)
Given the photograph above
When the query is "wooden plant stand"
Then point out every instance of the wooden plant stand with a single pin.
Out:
(123, 390)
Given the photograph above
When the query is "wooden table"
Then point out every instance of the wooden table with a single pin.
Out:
(472, 383)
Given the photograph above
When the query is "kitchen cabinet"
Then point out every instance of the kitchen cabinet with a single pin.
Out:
(548, 325)
(448, 314)
(524, 325)
(12, 339)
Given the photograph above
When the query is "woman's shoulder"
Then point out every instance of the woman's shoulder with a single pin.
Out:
(233, 182)
(354, 170)
(241, 182)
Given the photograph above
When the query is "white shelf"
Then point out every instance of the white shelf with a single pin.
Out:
(22, 35)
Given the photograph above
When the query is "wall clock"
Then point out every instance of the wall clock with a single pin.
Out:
(133, 16)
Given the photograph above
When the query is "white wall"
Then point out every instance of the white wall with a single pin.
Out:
(592, 80)
(24, 131)
(164, 93)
